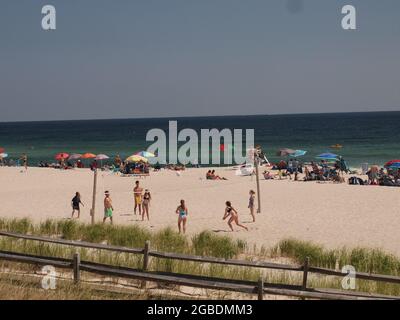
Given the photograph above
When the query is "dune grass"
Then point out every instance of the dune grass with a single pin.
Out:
(204, 244)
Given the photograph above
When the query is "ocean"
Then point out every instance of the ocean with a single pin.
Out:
(366, 137)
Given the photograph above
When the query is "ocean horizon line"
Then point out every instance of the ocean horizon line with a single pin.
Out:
(202, 117)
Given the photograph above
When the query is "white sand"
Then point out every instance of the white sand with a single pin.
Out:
(333, 215)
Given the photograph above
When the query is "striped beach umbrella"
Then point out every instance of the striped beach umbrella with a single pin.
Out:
(393, 164)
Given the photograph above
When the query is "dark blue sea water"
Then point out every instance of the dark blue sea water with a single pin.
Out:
(366, 137)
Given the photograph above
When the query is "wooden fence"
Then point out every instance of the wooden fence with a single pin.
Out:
(250, 287)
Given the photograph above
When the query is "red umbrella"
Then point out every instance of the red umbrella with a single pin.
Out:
(2, 150)
(62, 155)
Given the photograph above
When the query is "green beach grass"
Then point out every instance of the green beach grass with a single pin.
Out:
(204, 244)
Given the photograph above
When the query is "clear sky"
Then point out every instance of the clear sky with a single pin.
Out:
(156, 58)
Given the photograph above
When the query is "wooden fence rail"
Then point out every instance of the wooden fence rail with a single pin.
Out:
(260, 287)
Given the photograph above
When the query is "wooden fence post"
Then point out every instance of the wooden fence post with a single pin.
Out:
(261, 288)
(76, 267)
(145, 260)
(305, 273)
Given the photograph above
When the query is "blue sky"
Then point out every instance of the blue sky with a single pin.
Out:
(156, 58)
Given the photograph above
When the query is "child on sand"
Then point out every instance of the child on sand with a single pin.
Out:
(146, 204)
(108, 207)
(182, 212)
(234, 216)
(76, 202)
(251, 204)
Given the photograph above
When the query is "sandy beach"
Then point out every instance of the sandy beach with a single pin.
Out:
(333, 215)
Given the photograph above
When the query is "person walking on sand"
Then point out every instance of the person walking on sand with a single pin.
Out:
(146, 204)
(182, 212)
(24, 159)
(137, 193)
(251, 204)
(76, 202)
(233, 216)
(108, 207)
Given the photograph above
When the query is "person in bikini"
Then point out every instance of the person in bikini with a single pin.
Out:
(233, 216)
(146, 204)
(182, 213)
(76, 202)
(251, 204)
(137, 193)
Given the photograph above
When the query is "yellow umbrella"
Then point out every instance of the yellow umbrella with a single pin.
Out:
(136, 158)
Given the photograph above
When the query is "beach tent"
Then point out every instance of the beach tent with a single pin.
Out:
(327, 156)
(136, 158)
(61, 156)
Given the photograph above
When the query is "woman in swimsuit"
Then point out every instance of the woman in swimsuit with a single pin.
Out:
(76, 202)
(233, 216)
(146, 204)
(251, 204)
(182, 212)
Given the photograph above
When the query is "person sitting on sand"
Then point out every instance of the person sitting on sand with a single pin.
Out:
(146, 204)
(251, 204)
(76, 202)
(216, 177)
(208, 175)
(108, 207)
(267, 175)
(233, 216)
(137, 192)
(182, 212)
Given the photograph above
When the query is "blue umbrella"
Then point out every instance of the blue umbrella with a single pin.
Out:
(298, 153)
(327, 156)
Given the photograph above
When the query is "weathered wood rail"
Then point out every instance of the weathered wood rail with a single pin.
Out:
(250, 287)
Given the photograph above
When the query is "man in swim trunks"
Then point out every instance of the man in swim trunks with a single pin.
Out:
(137, 193)
(108, 207)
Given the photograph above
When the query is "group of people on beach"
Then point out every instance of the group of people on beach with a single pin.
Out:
(142, 204)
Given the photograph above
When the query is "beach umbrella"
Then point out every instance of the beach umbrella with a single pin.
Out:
(145, 154)
(75, 156)
(327, 156)
(2, 150)
(298, 153)
(285, 152)
(88, 156)
(136, 158)
(61, 156)
(393, 164)
(102, 157)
